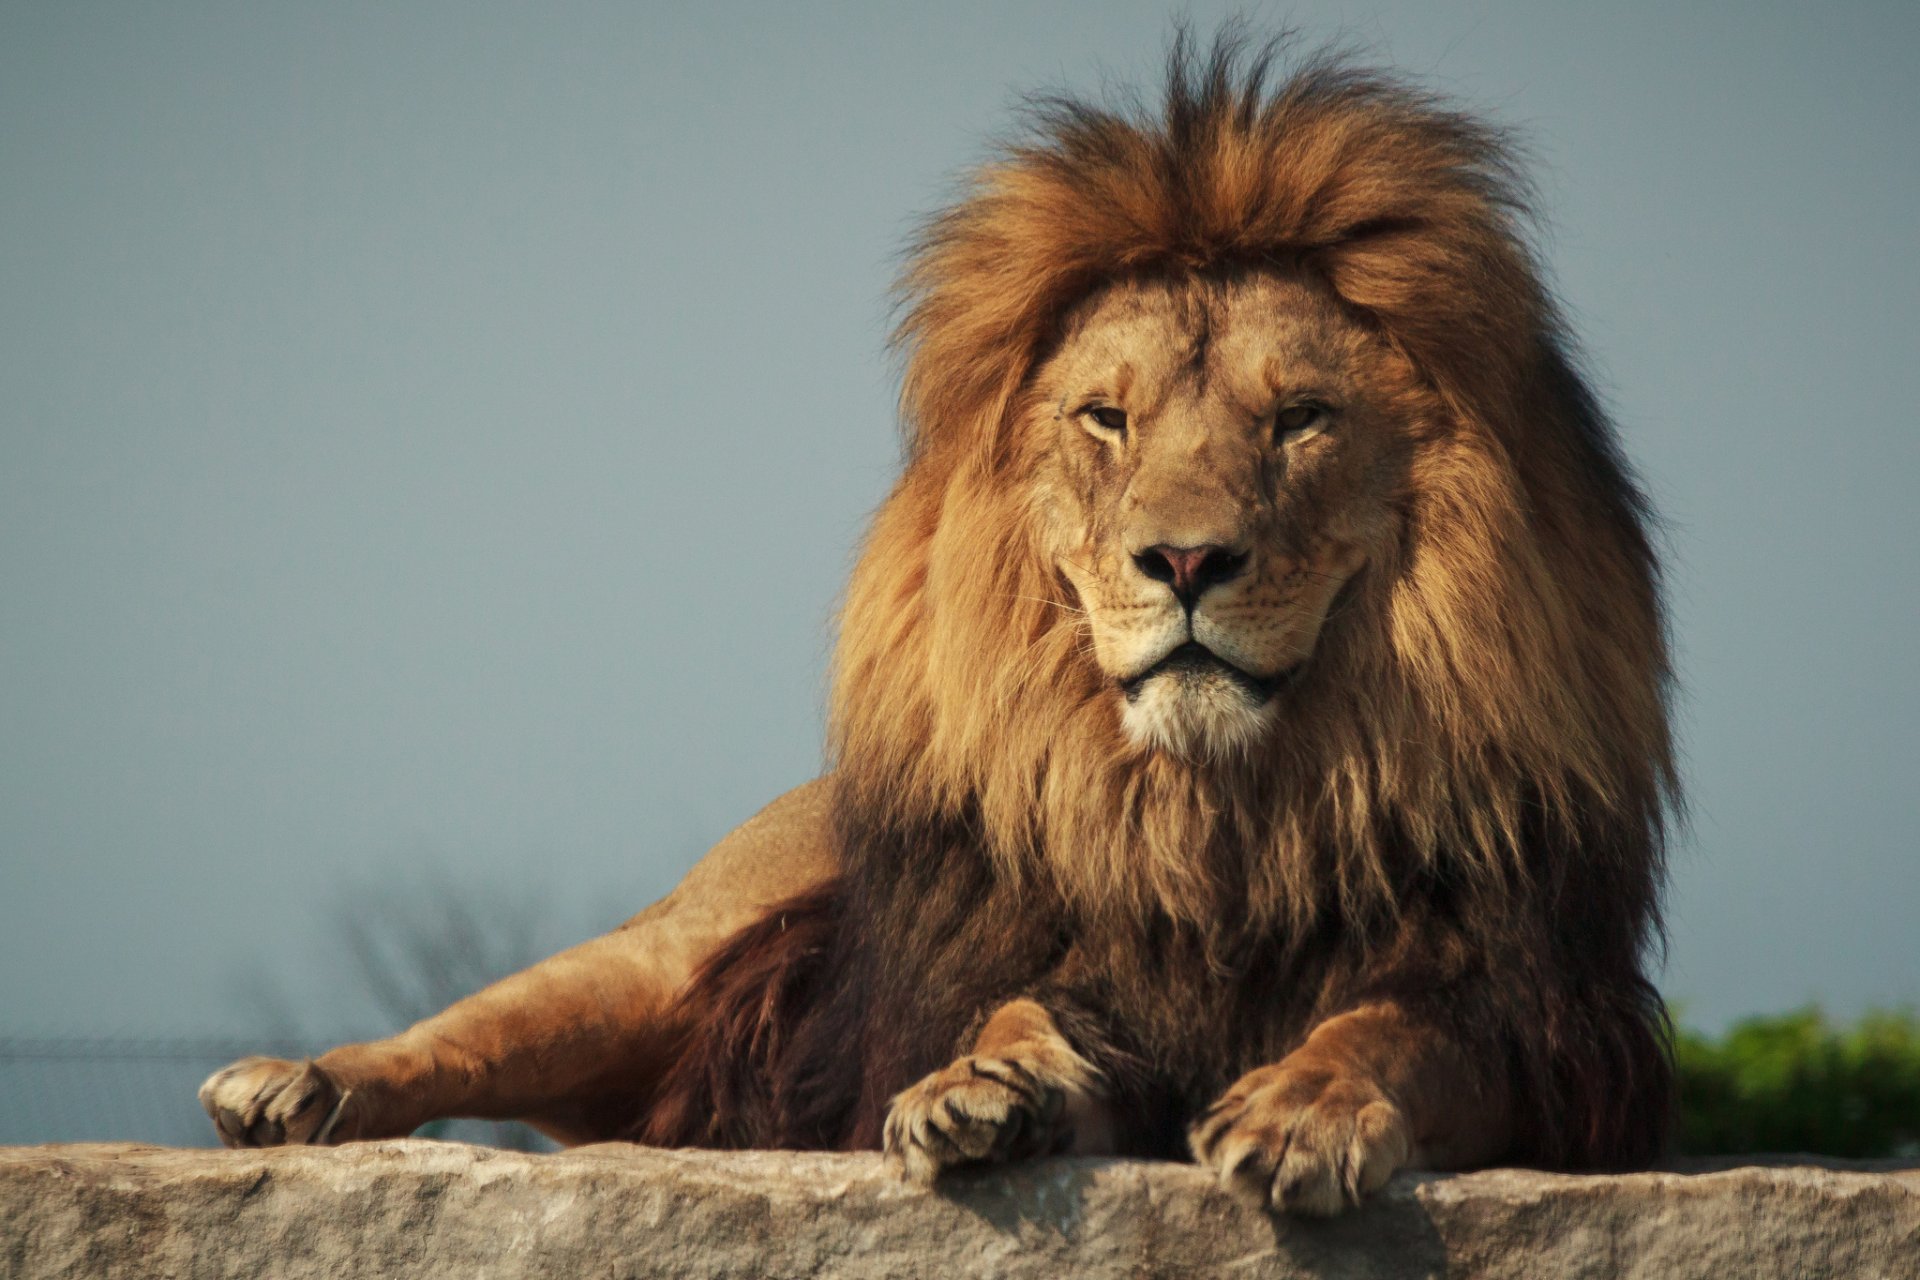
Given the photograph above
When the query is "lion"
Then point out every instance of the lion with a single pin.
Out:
(1249, 734)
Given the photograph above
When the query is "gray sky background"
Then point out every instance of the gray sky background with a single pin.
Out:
(435, 434)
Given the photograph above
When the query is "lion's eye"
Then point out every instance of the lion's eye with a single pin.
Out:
(1297, 421)
(1108, 418)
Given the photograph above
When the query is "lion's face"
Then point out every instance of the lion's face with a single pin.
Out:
(1218, 465)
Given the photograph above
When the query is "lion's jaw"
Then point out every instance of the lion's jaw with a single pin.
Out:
(1172, 414)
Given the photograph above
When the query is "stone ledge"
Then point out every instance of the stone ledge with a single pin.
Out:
(419, 1208)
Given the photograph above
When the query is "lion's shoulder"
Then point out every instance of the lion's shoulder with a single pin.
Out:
(784, 850)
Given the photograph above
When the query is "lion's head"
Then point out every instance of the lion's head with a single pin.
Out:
(1258, 539)
(1215, 457)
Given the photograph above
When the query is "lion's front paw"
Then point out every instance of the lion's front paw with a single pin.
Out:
(1304, 1141)
(269, 1102)
(979, 1108)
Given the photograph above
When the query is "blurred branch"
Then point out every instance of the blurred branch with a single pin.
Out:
(416, 944)
(420, 946)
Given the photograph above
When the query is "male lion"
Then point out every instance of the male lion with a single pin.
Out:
(1249, 729)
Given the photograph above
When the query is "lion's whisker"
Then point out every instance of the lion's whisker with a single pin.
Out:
(1058, 604)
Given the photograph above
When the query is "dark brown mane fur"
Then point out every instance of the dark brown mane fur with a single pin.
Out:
(1465, 808)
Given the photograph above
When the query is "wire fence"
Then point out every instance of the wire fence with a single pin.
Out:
(126, 1090)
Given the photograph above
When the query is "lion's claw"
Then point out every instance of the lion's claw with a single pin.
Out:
(1302, 1142)
(270, 1102)
(977, 1109)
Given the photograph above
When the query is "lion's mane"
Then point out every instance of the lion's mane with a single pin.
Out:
(1472, 777)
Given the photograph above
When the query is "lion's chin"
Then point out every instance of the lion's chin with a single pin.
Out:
(1195, 714)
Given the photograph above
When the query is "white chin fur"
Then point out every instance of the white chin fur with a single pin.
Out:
(1195, 716)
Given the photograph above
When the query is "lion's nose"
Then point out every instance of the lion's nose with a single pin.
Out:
(1190, 570)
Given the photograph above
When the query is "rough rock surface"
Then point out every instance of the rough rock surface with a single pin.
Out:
(418, 1208)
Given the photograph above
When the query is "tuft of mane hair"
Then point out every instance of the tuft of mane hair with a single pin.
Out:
(1468, 786)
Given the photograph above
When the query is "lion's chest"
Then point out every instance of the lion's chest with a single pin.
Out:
(1187, 1014)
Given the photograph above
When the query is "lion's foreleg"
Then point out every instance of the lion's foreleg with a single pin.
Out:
(1023, 1091)
(1371, 1091)
(567, 1045)
(573, 1045)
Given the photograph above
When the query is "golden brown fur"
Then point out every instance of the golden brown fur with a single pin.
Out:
(1390, 907)
(1512, 658)
(1422, 894)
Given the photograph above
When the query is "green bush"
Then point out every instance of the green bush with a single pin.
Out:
(1795, 1082)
